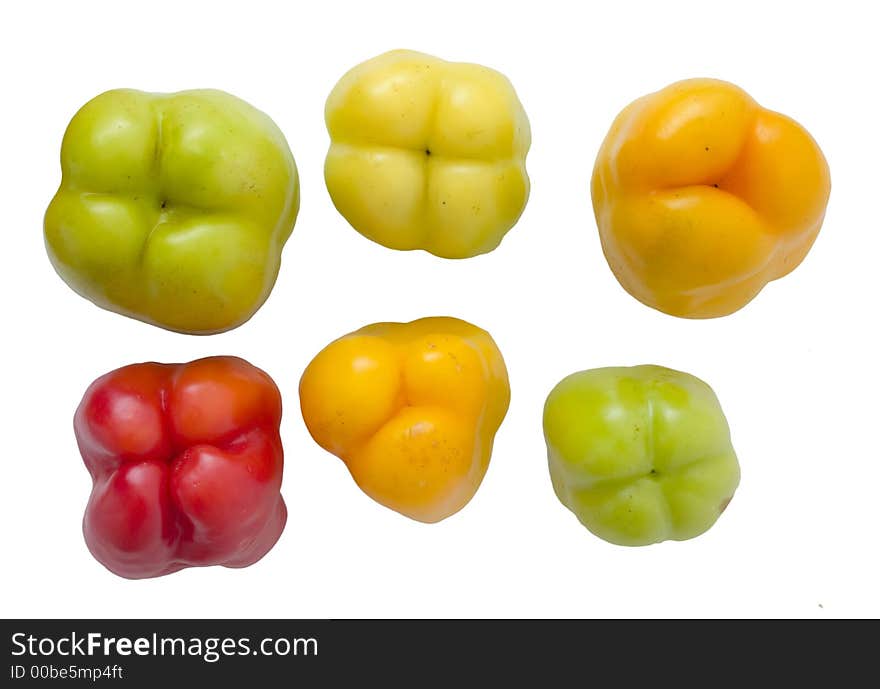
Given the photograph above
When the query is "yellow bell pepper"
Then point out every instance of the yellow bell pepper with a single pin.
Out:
(702, 197)
(412, 409)
(427, 154)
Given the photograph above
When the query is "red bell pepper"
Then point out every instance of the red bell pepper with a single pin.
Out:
(186, 463)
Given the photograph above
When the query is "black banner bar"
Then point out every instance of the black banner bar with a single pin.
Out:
(413, 653)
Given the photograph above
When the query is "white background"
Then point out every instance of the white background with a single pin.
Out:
(796, 370)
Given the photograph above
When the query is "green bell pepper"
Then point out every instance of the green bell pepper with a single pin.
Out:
(173, 208)
(640, 455)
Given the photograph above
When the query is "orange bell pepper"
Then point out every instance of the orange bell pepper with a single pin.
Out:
(412, 409)
(702, 197)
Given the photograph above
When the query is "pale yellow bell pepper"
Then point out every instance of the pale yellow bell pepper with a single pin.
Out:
(427, 154)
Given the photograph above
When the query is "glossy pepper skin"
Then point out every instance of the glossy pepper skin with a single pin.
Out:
(641, 454)
(702, 197)
(427, 154)
(412, 409)
(173, 208)
(186, 462)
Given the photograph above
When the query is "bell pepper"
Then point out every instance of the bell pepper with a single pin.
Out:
(412, 409)
(640, 455)
(427, 154)
(173, 208)
(186, 462)
(702, 197)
